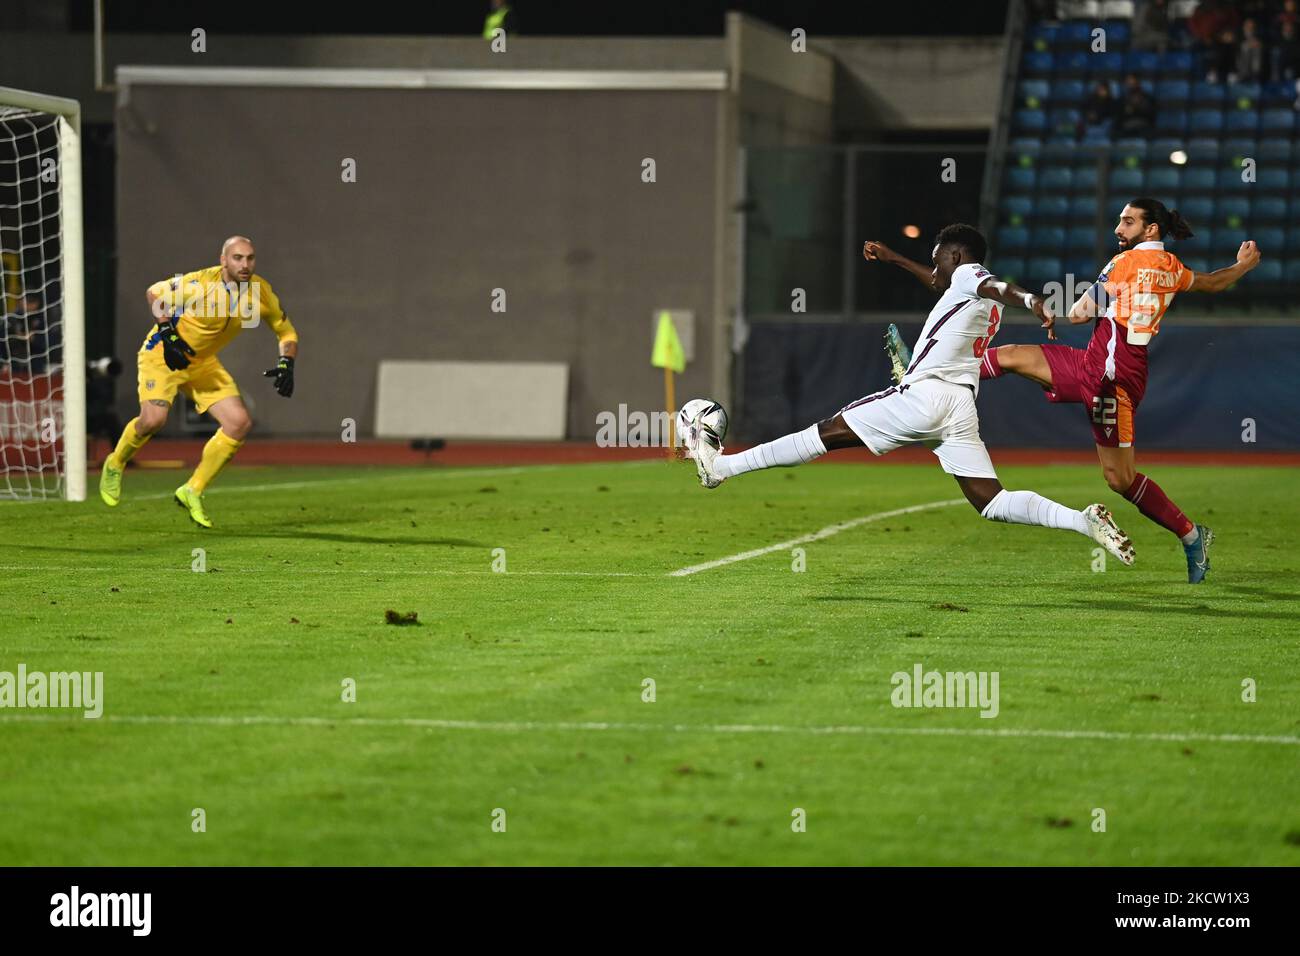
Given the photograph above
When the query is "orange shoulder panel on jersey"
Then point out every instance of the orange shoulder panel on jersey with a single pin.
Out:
(1141, 285)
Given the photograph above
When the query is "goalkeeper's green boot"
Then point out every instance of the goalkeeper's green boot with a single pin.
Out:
(192, 501)
(110, 483)
(900, 356)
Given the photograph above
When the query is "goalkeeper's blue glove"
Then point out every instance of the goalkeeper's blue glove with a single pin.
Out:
(283, 375)
(174, 347)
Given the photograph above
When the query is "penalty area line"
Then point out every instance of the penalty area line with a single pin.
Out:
(815, 536)
(510, 726)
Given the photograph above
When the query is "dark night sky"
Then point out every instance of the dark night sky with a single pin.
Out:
(548, 17)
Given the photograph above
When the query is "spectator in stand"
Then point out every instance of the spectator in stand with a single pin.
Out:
(1100, 108)
(1288, 14)
(26, 335)
(1151, 26)
(1213, 27)
(1137, 112)
(1250, 54)
(1286, 55)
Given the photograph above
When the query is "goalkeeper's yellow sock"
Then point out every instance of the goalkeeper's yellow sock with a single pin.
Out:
(219, 450)
(130, 443)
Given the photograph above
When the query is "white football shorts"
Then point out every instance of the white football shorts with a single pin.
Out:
(931, 412)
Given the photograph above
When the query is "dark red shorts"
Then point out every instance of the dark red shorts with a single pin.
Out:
(1108, 404)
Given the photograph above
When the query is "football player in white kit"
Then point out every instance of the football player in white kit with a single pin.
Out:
(934, 404)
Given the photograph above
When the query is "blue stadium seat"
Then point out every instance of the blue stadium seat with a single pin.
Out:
(1268, 271)
(1164, 179)
(1117, 34)
(1199, 244)
(1242, 121)
(1228, 208)
(1268, 209)
(1010, 267)
(1012, 238)
(1173, 94)
(1059, 152)
(1198, 180)
(1227, 241)
(1075, 64)
(1128, 150)
(1229, 180)
(1084, 269)
(1208, 94)
(1065, 92)
(1058, 178)
(1083, 208)
(1278, 122)
(1024, 150)
(1235, 148)
(1063, 119)
(1293, 241)
(1052, 208)
(1171, 121)
(1080, 238)
(1075, 33)
(1047, 238)
(1039, 89)
(1085, 178)
(1096, 136)
(1273, 179)
(1020, 179)
(1016, 209)
(1281, 94)
(1126, 181)
(1195, 263)
(1048, 31)
(1202, 150)
(1176, 63)
(1141, 62)
(1244, 93)
(1197, 210)
(1273, 150)
(1026, 120)
(1271, 239)
(1041, 270)
(1107, 64)
(1206, 122)
(1292, 272)
(1039, 64)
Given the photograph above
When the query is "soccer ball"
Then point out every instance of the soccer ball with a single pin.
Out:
(704, 413)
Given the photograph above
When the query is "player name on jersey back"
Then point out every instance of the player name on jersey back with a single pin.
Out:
(957, 331)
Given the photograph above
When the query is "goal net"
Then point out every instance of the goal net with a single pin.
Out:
(42, 355)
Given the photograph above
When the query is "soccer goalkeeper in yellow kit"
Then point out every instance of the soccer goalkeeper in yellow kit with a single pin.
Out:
(198, 315)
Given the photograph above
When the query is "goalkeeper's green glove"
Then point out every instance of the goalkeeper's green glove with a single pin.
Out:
(174, 347)
(283, 375)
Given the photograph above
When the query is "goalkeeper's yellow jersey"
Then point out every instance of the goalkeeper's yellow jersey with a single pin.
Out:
(211, 314)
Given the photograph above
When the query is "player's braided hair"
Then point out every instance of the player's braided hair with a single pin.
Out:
(1168, 221)
(966, 236)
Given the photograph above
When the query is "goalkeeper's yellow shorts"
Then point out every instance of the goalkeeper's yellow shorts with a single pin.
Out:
(205, 381)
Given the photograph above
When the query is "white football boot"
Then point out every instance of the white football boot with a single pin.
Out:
(1106, 533)
(703, 446)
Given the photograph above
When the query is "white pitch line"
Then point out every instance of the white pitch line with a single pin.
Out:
(418, 572)
(815, 536)
(431, 723)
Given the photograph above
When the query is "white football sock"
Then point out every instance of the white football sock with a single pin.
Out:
(796, 448)
(1026, 507)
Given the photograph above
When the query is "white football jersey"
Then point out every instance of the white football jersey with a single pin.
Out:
(957, 332)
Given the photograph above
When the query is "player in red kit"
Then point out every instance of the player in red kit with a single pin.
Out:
(1109, 377)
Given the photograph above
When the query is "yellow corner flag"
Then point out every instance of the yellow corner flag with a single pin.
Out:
(668, 347)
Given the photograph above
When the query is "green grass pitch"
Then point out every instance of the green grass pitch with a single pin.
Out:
(523, 691)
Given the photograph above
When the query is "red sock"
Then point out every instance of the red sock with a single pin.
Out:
(1155, 504)
(990, 367)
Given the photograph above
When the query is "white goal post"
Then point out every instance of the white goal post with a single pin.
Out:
(42, 299)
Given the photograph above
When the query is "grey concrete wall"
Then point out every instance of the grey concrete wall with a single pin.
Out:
(63, 64)
(901, 83)
(458, 193)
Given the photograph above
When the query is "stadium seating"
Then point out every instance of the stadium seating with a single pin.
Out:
(1059, 171)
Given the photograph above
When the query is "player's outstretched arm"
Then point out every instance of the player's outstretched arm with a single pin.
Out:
(1220, 279)
(874, 250)
(1008, 293)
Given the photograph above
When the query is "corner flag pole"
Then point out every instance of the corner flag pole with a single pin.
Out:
(669, 355)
